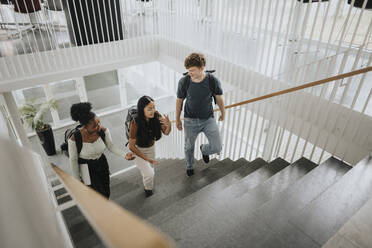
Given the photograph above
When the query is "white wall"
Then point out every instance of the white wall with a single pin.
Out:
(27, 215)
(4, 131)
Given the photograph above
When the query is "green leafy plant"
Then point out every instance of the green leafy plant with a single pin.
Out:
(34, 117)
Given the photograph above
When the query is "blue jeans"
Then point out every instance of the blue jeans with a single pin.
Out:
(195, 126)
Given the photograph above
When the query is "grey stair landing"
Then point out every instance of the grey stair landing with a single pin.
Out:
(272, 228)
(175, 188)
(324, 216)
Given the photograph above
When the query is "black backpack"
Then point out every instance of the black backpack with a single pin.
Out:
(212, 83)
(78, 139)
(132, 115)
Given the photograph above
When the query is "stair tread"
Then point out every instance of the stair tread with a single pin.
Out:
(81, 232)
(76, 221)
(131, 180)
(205, 193)
(208, 209)
(272, 217)
(174, 189)
(170, 171)
(324, 216)
(234, 210)
(163, 172)
(89, 241)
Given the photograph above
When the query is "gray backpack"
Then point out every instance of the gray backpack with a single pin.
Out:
(131, 115)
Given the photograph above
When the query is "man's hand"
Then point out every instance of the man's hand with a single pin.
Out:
(179, 125)
(130, 156)
(222, 117)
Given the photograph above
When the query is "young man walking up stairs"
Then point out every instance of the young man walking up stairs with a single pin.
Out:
(198, 88)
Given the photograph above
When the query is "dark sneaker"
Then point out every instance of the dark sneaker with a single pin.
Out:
(205, 157)
(148, 192)
(190, 172)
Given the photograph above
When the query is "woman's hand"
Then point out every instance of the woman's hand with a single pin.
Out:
(130, 156)
(165, 121)
(151, 161)
(166, 125)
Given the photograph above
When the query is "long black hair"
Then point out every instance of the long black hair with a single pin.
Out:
(82, 112)
(147, 131)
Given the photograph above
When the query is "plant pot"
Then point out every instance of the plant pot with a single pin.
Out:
(359, 3)
(47, 140)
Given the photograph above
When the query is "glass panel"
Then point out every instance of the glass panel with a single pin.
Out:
(103, 91)
(28, 95)
(63, 87)
(66, 94)
(64, 106)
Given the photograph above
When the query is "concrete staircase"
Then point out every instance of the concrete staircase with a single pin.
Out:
(239, 203)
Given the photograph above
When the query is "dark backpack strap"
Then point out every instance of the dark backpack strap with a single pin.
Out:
(211, 80)
(212, 86)
(187, 83)
(78, 141)
(102, 135)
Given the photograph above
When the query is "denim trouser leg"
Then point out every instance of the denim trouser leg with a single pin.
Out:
(192, 129)
(210, 129)
(195, 126)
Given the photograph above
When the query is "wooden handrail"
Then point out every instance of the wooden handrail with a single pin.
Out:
(115, 225)
(300, 87)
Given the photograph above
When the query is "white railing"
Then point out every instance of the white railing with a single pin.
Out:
(219, 28)
(289, 126)
(63, 35)
(265, 36)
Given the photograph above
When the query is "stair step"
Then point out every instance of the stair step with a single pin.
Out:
(181, 228)
(272, 218)
(176, 188)
(232, 211)
(124, 184)
(131, 180)
(81, 232)
(163, 175)
(207, 192)
(60, 192)
(324, 216)
(63, 199)
(88, 239)
(356, 232)
(55, 182)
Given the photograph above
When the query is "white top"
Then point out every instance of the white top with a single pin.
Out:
(91, 151)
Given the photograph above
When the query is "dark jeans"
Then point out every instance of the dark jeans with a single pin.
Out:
(99, 174)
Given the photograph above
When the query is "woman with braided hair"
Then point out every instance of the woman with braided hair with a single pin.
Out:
(86, 147)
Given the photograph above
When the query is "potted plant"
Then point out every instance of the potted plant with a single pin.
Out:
(34, 118)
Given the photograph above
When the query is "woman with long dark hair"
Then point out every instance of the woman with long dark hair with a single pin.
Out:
(90, 164)
(144, 130)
